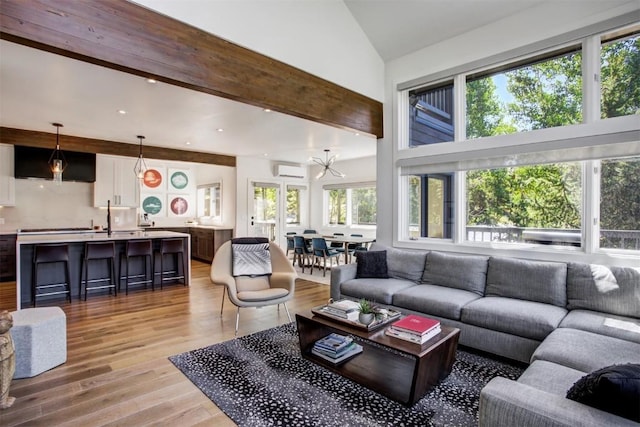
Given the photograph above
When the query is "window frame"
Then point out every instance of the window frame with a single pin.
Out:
(612, 132)
(348, 187)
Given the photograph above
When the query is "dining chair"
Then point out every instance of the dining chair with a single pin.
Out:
(301, 251)
(309, 231)
(353, 247)
(290, 244)
(322, 251)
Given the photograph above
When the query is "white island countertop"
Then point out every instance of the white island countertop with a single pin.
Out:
(30, 239)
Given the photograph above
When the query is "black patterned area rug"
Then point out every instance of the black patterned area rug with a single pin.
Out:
(262, 380)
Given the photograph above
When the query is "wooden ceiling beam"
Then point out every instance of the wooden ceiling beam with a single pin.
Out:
(87, 145)
(127, 37)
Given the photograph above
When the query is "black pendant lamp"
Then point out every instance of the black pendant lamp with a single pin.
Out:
(57, 161)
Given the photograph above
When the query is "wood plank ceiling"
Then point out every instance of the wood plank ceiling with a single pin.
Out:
(126, 37)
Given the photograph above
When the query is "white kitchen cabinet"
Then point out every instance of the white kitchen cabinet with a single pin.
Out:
(7, 180)
(116, 181)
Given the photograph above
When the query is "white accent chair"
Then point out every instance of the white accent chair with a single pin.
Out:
(245, 291)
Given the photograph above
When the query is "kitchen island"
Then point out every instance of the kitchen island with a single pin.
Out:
(25, 245)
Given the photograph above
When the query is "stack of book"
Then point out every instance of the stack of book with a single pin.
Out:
(413, 328)
(336, 348)
(344, 309)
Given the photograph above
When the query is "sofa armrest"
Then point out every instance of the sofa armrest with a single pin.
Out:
(507, 403)
(340, 274)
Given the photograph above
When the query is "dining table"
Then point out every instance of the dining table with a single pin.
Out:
(345, 240)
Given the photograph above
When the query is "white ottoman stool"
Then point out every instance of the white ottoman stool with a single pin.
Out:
(40, 338)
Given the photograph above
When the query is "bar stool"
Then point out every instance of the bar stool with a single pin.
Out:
(49, 254)
(174, 247)
(136, 249)
(98, 251)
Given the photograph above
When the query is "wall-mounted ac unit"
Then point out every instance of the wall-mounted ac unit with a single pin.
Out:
(291, 171)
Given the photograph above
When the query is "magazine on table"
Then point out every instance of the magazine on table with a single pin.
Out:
(356, 349)
(412, 337)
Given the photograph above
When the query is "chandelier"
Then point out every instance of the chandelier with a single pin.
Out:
(57, 162)
(326, 165)
(141, 167)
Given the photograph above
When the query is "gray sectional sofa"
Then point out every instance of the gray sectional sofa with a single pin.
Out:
(564, 319)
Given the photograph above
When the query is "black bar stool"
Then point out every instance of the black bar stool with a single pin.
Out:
(48, 254)
(98, 251)
(136, 249)
(174, 247)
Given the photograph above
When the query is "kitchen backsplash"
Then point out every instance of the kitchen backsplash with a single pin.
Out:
(42, 204)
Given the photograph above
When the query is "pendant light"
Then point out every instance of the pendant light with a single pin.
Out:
(141, 167)
(327, 165)
(57, 161)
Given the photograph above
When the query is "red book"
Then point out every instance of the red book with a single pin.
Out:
(416, 324)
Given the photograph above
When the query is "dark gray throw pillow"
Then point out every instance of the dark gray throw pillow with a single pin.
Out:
(614, 389)
(372, 265)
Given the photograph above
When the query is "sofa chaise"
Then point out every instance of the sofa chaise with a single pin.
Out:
(565, 320)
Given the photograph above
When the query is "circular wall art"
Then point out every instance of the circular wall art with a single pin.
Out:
(151, 205)
(179, 180)
(152, 178)
(179, 206)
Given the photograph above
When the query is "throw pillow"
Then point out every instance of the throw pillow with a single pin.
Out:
(372, 265)
(251, 259)
(614, 389)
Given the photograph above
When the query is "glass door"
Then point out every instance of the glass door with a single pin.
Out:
(266, 210)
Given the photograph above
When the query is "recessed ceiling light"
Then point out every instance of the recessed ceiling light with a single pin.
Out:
(123, 112)
(266, 110)
(265, 154)
(357, 134)
(220, 130)
(152, 81)
(188, 143)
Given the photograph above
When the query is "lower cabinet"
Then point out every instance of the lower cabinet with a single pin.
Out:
(7, 257)
(205, 242)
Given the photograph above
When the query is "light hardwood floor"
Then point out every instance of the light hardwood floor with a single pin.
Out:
(117, 371)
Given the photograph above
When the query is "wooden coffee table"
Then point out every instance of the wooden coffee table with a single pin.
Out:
(395, 368)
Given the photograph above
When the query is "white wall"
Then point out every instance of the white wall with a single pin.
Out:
(535, 24)
(319, 37)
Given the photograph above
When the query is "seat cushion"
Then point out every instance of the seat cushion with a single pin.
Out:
(262, 295)
(625, 328)
(527, 280)
(247, 283)
(434, 300)
(380, 291)
(527, 319)
(585, 351)
(614, 290)
(550, 377)
(467, 272)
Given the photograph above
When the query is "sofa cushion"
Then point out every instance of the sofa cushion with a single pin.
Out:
(527, 280)
(550, 377)
(467, 272)
(615, 389)
(585, 351)
(403, 263)
(434, 300)
(371, 264)
(527, 319)
(625, 328)
(613, 290)
(376, 290)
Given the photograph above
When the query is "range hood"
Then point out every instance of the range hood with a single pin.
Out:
(33, 162)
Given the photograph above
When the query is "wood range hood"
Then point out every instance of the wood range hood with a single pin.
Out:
(124, 36)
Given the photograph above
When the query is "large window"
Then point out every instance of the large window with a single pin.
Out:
(209, 201)
(293, 203)
(548, 152)
(620, 77)
(544, 92)
(431, 206)
(620, 203)
(531, 204)
(351, 204)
